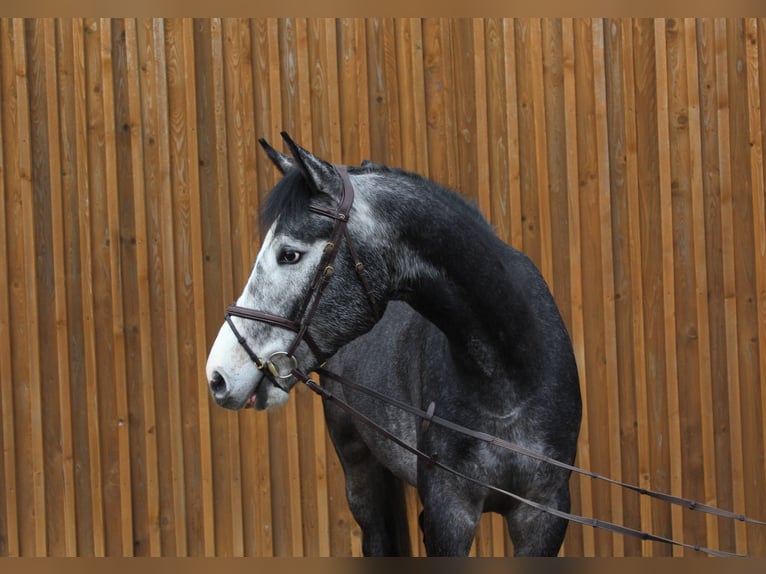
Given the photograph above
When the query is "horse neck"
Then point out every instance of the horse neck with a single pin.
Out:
(486, 297)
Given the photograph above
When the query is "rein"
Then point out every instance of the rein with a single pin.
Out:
(282, 365)
(428, 417)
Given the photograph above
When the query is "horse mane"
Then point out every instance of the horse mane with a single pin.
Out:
(290, 197)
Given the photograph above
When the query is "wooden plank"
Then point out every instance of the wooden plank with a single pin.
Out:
(729, 281)
(330, 61)
(616, 130)
(94, 430)
(351, 89)
(686, 322)
(669, 303)
(644, 65)
(553, 98)
(118, 326)
(153, 182)
(541, 151)
(217, 258)
(61, 312)
(44, 336)
(143, 278)
(406, 93)
(482, 138)
(19, 435)
(171, 308)
(233, 82)
(198, 294)
(386, 144)
(577, 327)
(634, 241)
(700, 277)
(754, 29)
(591, 260)
(9, 523)
(184, 392)
(30, 272)
(497, 128)
(439, 80)
(512, 115)
(751, 420)
(529, 197)
(607, 278)
(419, 96)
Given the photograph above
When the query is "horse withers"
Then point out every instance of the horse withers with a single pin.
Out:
(400, 284)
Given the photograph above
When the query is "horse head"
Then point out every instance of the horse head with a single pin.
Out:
(308, 292)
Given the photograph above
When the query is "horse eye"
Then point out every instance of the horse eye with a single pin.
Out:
(289, 257)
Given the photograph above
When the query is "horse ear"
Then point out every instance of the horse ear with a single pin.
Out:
(283, 161)
(320, 174)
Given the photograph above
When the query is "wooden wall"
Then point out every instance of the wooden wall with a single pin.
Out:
(625, 156)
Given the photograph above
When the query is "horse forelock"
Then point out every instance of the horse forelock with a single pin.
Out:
(288, 199)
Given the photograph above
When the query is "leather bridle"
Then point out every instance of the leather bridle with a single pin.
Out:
(281, 364)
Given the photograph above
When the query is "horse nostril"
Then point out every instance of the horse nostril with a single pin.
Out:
(218, 386)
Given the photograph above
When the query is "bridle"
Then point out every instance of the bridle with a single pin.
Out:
(280, 365)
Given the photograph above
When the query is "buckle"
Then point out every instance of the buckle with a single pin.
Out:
(281, 365)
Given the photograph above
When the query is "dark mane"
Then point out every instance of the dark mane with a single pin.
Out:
(290, 197)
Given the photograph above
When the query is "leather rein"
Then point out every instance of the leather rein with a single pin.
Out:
(283, 365)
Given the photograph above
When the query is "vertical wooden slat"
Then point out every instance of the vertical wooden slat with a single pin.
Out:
(143, 278)
(30, 275)
(231, 475)
(637, 296)
(330, 60)
(575, 270)
(353, 69)
(233, 79)
(10, 501)
(171, 307)
(700, 277)
(94, 431)
(412, 95)
(607, 266)
(541, 151)
(118, 327)
(61, 313)
(754, 29)
(669, 304)
(482, 144)
(439, 78)
(512, 113)
(198, 293)
(729, 281)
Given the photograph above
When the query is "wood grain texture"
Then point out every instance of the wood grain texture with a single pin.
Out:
(624, 156)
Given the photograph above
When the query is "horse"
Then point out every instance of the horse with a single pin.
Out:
(392, 280)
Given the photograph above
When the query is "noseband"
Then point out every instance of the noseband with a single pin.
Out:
(280, 365)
